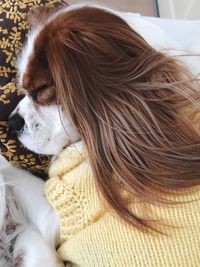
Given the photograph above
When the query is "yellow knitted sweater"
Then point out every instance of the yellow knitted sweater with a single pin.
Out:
(92, 237)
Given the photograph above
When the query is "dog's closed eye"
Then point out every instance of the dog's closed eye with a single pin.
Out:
(42, 89)
(45, 94)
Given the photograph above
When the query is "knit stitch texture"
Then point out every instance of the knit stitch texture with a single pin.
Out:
(91, 236)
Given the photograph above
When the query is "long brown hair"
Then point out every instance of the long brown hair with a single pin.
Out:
(124, 98)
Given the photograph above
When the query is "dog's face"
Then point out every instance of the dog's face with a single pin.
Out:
(39, 121)
(42, 129)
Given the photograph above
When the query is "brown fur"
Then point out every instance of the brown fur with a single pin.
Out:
(123, 98)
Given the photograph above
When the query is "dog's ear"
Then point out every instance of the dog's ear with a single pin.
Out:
(40, 13)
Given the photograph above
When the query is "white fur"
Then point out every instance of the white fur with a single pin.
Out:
(37, 231)
(47, 130)
(27, 52)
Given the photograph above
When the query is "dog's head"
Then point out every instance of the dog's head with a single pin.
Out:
(38, 119)
(57, 52)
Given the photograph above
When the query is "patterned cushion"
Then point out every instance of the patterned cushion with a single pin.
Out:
(13, 30)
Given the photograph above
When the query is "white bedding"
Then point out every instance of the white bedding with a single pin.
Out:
(184, 32)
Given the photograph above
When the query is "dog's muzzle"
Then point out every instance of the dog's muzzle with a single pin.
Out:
(16, 122)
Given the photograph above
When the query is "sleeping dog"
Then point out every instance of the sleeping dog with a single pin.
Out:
(66, 51)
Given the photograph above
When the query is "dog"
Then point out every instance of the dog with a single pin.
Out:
(29, 225)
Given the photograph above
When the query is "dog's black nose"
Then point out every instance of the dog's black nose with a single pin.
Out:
(16, 122)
